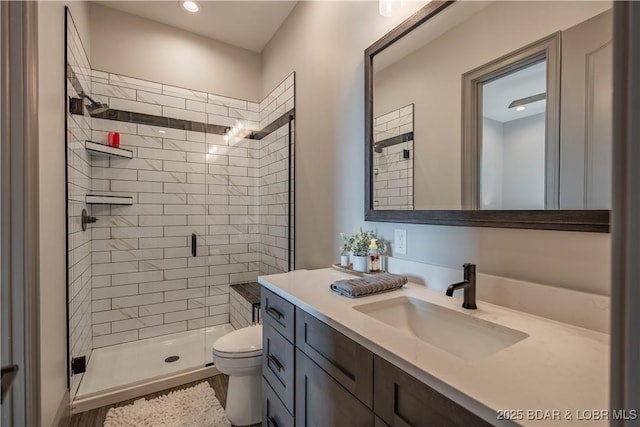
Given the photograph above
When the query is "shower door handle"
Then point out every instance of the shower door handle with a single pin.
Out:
(194, 250)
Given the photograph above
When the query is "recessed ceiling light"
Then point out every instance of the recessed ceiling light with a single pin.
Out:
(521, 108)
(190, 6)
(387, 7)
(162, 131)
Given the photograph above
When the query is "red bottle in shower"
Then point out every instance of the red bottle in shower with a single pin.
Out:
(113, 139)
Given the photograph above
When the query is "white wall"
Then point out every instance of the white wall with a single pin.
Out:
(53, 316)
(324, 42)
(132, 46)
(491, 167)
(523, 164)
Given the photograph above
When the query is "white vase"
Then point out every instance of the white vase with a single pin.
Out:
(344, 260)
(360, 263)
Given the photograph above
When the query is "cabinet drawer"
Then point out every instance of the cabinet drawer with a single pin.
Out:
(322, 402)
(345, 360)
(274, 413)
(279, 313)
(402, 400)
(277, 364)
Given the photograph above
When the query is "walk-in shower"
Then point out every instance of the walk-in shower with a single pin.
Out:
(197, 197)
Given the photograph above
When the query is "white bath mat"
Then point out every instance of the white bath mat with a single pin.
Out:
(192, 407)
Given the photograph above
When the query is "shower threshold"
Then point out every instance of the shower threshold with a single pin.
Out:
(125, 371)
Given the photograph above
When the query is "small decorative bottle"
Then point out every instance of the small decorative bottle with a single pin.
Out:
(374, 257)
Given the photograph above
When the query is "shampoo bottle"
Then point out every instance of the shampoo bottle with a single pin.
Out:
(374, 257)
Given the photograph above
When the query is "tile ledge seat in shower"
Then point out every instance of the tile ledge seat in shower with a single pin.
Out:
(125, 364)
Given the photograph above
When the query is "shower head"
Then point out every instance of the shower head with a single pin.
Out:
(95, 107)
(76, 105)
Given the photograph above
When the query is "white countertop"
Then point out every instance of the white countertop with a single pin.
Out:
(558, 367)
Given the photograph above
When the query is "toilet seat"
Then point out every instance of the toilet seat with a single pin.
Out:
(242, 343)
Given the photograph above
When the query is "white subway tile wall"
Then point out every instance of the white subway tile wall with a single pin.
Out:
(232, 193)
(276, 167)
(392, 172)
(279, 101)
(240, 310)
(78, 186)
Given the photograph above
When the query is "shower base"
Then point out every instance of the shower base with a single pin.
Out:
(125, 371)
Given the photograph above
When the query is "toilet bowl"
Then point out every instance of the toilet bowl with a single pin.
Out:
(239, 355)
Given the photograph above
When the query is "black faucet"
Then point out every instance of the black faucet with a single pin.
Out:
(469, 286)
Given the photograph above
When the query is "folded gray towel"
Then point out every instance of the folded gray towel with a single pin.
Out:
(369, 285)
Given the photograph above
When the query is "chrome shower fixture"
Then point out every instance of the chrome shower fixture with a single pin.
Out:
(76, 105)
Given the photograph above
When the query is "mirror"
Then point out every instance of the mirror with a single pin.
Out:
(510, 121)
(393, 159)
(513, 139)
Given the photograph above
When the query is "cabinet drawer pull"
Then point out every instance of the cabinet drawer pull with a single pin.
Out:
(274, 313)
(271, 422)
(276, 362)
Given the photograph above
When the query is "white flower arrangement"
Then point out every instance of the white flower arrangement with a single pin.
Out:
(359, 243)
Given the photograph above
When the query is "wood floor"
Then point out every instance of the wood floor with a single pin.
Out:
(96, 417)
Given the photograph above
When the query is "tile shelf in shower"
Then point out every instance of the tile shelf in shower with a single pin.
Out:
(92, 199)
(106, 150)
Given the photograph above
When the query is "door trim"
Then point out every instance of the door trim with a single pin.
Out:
(19, 210)
(625, 214)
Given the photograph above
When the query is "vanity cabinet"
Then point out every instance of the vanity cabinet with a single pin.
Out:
(314, 375)
(321, 401)
(401, 400)
(274, 413)
(278, 313)
(278, 364)
(349, 363)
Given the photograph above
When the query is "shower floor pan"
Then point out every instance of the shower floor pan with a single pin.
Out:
(125, 371)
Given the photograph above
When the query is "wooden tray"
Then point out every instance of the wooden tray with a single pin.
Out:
(350, 270)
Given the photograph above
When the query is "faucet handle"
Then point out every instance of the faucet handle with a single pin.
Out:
(469, 269)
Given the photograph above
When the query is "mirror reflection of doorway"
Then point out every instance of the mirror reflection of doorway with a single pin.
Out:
(510, 130)
(514, 139)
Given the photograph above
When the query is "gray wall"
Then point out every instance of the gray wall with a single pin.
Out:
(513, 163)
(132, 46)
(492, 162)
(524, 163)
(324, 43)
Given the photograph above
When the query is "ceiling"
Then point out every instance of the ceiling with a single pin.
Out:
(498, 94)
(246, 24)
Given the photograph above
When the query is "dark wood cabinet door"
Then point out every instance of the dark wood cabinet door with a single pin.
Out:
(321, 401)
(345, 360)
(402, 401)
(274, 413)
(278, 364)
(278, 313)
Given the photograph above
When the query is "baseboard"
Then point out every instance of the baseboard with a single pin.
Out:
(138, 390)
(63, 414)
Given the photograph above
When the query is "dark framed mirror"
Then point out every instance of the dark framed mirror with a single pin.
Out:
(492, 114)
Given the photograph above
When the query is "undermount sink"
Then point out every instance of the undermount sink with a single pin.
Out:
(462, 335)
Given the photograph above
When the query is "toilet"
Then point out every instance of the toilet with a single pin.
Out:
(239, 355)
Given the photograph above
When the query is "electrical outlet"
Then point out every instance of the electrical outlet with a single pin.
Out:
(400, 242)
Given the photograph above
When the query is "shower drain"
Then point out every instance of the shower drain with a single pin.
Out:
(171, 359)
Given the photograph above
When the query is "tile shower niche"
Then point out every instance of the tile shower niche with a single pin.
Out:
(204, 169)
